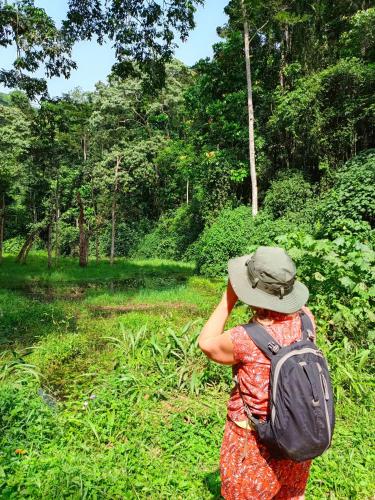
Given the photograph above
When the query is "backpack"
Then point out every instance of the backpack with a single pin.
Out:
(302, 417)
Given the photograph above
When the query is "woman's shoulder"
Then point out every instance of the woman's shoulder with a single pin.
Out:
(244, 349)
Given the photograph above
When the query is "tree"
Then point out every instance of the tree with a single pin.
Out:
(254, 188)
(38, 42)
(54, 167)
(128, 129)
(14, 142)
(141, 34)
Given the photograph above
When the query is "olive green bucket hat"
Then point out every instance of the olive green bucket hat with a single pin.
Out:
(267, 279)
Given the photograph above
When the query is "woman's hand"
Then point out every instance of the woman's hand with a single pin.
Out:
(229, 297)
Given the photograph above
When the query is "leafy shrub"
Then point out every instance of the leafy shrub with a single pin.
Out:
(226, 237)
(235, 232)
(340, 277)
(13, 245)
(128, 237)
(287, 194)
(68, 238)
(172, 235)
(336, 228)
(353, 194)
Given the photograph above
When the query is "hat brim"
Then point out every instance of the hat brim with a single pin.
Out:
(258, 298)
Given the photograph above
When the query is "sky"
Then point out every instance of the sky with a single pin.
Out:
(95, 61)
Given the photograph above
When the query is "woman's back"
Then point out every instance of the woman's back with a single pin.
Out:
(253, 368)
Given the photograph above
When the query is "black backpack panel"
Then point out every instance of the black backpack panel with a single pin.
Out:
(302, 418)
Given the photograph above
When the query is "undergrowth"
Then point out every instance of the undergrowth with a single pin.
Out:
(126, 406)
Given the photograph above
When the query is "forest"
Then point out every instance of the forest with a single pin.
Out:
(120, 207)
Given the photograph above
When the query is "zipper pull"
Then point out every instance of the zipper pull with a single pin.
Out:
(324, 382)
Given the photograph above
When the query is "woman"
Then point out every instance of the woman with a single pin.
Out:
(265, 281)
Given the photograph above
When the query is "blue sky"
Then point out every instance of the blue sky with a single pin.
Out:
(95, 61)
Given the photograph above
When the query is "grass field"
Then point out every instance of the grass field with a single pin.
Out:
(98, 403)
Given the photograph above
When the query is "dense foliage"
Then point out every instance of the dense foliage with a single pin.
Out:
(132, 157)
(125, 172)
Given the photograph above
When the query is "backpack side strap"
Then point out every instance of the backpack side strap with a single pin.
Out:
(262, 339)
(307, 327)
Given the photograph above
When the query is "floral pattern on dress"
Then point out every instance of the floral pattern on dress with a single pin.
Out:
(258, 475)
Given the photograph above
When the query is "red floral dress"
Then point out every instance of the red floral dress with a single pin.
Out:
(255, 474)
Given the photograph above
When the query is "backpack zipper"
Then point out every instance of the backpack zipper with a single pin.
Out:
(323, 383)
(305, 350)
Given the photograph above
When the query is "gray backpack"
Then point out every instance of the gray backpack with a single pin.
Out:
(302, 415)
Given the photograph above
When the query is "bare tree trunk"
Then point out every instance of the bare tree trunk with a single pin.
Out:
(26, 247)
(285, 46)
(96, 230)
(87, 243)
(97, 225)
(96, 246)
(187, 192)
(35, 216)
(114, 199)
(254, 188)
(83, 240)
(2, 219)
(57, 221)
(57, 233)
(84, 147)
(49, 245)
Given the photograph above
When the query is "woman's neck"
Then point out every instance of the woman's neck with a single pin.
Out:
(266, 317)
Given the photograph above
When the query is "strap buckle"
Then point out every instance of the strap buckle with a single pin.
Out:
(274, 348)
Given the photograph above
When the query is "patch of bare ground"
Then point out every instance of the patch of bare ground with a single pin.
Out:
(143, 307)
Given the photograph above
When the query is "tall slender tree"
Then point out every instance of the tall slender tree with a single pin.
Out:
(250, 110)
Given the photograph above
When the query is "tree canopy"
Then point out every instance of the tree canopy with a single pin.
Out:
(142, 34)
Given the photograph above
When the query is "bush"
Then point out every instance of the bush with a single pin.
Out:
(13, 245)
(128, 237)
(352, 196)
(336, 228)
(340, 277)
(175, 231)
(68, 238)
(235, 232)
(287, 194)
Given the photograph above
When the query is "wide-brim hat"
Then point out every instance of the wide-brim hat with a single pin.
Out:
(266, 279)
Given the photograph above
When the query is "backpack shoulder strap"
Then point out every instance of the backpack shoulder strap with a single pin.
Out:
(262, 339)
(307, 327)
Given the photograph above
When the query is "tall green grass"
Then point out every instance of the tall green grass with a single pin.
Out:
(126, 406)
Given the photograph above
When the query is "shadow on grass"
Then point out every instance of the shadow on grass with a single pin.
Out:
(213, 484)
(23, 321)
(33, 299)
(67, 270)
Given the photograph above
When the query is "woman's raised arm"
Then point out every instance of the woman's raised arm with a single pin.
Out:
(213, 342)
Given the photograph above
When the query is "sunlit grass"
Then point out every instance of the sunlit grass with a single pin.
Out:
(66, 269)
(124, 405)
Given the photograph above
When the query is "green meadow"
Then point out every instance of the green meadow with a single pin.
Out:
(98, 402)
